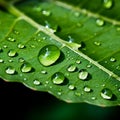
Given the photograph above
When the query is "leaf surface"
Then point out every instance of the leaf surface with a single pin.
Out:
(69, 49)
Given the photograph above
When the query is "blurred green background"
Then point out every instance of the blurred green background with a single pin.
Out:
(18, 102)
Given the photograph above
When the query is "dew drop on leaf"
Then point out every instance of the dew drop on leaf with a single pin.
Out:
(112, 59)
(46, 13)
(21, 60)
(58, 78)
(10, 70)
(78, 94)
(11, 39)
(1, 60)
(83, 75)
(49, 55)
(26, 67)
(107, 3)
(16, 32)
(12, 53)
(78, 61)
(21, 46)
(87, 89)
(36, 82)
(106, 93)
(100, 22)
(71, 87)
(97, 43)
(43, 71)
(71, 68)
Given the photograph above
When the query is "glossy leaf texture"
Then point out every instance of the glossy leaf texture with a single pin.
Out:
(68, 48)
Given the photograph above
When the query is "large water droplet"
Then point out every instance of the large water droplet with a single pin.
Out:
(12, 53)
(26, 67)
(58, 78)
(49, 55)
(83, 75)
(100, 22)
(10, 70)
(108, 3)
(71, 68)
(106, 93)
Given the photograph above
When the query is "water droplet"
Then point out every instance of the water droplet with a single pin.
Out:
(26, 67)
(59, 93)
(36, 82)
(58, 78)
(70, 39)
(71, 68)
(100, 22)
(21, 60)
(97, 43)
(71, 87)
(108, 3)
(10, 60)
(11, 39)
(1, 60)
(10, 70)
(106, 93)
(119, 89)
(46, 13)
(83, 75)
(5, 46)
(93, 98)
(89, 66)
(44, 72)
(12, 53)
(16, 32)
(49, 55)
(77, 14)
(78, 61)
(78, 94)
(87, 89)
(112, 59)
(21, 46)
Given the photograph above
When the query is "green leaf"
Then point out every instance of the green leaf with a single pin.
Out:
(68, 48)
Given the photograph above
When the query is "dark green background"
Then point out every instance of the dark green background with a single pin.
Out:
(18, 102)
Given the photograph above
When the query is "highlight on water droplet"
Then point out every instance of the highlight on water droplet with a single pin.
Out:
(97, 43)
(106, 93)
(48, 55)
(71, 68)
(46, 13)
(21, 46)
(58, 78)
(10, 70)
(78, 61)
(26, 68)
(43, 71)
(11, 39)
(12, 53)
(112, 59)
(107, 3)
(1, 60)
(83, 75)
(100, 22)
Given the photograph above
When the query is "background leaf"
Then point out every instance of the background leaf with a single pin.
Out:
(87, 69)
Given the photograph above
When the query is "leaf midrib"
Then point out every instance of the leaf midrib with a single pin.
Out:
(74, 47)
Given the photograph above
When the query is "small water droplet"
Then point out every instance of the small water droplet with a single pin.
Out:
(16, 32)
(119, 89)
(46, 13)
(71, 87)
(1, 60)
(97, 43)
(71, 68)
(49, 55)
(78, 61)
(36, 82)
(87, 89)
(10, 60)
(21, 60)
(107, 3)
(10, 70)
(100, 22)
(11, 39)
(89, 66)
(112, 59)
(77, 14)
(93, 98)
(5, 46)
(44, 72)
(24, 79)
(106, 93)
(21, 46)
(26, 67)
(70, 39)
(78, 94)
(12, 53)
(58, 78)
(83, 75)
